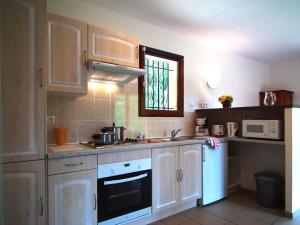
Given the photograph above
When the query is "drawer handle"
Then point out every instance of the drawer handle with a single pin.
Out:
(95, 202)
(41, 77)
(181, 175)
(137, 52)
(73, 164)
(42, 206)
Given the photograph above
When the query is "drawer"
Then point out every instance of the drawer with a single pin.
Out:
(65, 165)
(107, 158)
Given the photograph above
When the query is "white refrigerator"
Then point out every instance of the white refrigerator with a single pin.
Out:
(214, 177)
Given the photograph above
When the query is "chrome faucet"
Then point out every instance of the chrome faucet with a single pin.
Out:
(174, 133)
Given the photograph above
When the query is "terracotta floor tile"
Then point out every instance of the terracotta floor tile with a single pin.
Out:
(210, 219)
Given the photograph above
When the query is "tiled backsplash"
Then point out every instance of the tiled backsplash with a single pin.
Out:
(105, 104)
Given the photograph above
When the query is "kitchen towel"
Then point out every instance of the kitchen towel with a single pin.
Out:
(213, 142)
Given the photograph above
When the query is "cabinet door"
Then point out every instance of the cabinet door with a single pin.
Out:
(24, 193)
(113, 47)
(73, 198)
(67, 55)
(191, 172)
(215, 178)
(23, 49)
(165, 171)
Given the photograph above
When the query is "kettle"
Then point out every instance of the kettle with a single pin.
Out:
(232, 128)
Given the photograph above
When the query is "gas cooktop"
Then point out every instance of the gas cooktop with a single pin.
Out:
(92, 144)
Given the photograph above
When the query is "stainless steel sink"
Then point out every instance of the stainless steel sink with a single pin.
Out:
(182, 138)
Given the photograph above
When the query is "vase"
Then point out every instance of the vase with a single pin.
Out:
(226, 104)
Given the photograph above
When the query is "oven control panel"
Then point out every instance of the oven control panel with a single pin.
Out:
(119, 168)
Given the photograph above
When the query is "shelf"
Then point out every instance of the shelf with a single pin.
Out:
(248, 108)
(233, 185)
(233, 157)
(258, 141)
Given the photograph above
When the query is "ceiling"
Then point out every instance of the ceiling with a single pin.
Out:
(265, 30)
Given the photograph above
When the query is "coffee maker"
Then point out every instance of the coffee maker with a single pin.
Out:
(201, 129)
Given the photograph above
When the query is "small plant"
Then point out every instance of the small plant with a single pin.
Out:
(226, 100)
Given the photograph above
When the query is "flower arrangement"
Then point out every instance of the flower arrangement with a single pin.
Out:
(226, 100)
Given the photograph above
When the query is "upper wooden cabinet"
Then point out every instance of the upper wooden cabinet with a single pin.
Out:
(67, 55)
(23, 44)
(113, 47)
(24, 193)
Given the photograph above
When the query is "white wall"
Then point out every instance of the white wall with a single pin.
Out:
(241, 77)
(286, 75)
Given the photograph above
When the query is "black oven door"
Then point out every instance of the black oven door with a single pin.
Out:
(123, 194)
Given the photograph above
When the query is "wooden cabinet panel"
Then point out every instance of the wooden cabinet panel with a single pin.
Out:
(73, 198)
(23, 93)
(113, 47)
(67, 55)
(72, 164)
(24, 193)
(165, 165)
(190, 164)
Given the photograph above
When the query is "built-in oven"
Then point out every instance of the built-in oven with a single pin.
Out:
(124, 191)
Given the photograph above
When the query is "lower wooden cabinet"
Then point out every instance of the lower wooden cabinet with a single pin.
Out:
(165, 175)
(176, 175)
(24, 193)
(191, 167)
(73, 198)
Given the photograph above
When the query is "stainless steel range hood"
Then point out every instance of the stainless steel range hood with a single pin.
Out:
(113, 73)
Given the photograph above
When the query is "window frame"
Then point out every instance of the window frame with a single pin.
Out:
(143, 112)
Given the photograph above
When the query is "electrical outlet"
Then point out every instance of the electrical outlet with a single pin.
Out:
(50, 119)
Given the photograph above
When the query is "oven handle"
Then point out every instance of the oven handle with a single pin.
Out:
(110, 182)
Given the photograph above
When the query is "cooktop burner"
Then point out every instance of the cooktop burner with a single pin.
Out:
(92, 144)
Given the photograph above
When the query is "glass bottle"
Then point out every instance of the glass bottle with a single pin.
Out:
(270, 98)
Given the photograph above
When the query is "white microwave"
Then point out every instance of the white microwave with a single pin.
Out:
(265, 129)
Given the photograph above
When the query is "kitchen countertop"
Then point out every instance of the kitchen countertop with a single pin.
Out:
(72, 150)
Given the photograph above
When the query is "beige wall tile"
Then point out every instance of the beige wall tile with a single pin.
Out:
(101, 123)
(102, 91)
(50, 134)
(102, 110)
(52, 106)
(67, 109)
(85, 109)
(85, 130)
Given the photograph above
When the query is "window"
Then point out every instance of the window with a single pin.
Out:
(161, 88)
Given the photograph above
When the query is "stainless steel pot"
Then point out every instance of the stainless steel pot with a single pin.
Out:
(103, 138)
(118, 133)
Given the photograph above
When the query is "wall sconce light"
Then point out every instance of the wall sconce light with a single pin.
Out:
(212, 75)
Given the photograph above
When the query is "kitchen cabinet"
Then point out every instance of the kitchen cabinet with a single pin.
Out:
(165, 175)
(215, 176)
(23, 93)
(190, 164)
(112, 47)
(73, 198)
(24, 193)
(67, 55)
(176, 175)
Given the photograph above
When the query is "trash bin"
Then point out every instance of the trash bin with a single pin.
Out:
(269, 187)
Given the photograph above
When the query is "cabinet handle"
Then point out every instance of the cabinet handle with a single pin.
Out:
(42, 206)
(41, 77)
(85, 61)
(95, 202)
(74, 164)
(137, 52)
(181, 175)
(177, 175)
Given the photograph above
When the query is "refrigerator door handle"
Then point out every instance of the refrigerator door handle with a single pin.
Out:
(203, 155)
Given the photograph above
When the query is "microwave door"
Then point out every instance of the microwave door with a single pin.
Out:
(257, 129)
